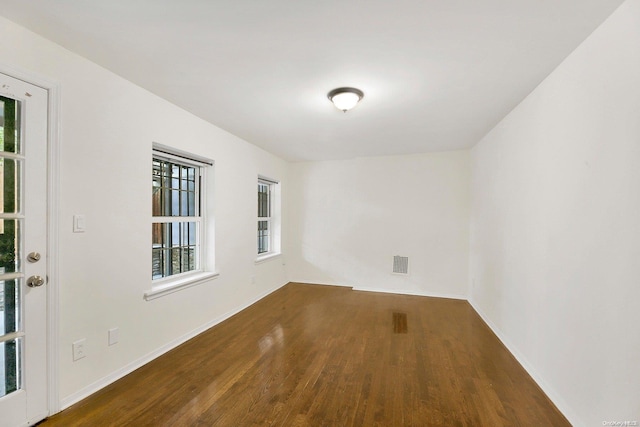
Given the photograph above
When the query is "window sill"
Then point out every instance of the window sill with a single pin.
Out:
(267, 257)
(173, 285)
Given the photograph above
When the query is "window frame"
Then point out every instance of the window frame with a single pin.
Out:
(265, 218)
(273, 220)
(202, 272)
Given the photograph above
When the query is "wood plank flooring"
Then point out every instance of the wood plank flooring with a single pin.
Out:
(310, 355)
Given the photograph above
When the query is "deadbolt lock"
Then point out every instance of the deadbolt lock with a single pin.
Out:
(33, 257)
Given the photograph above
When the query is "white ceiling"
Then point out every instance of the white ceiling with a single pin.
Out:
(437, 74)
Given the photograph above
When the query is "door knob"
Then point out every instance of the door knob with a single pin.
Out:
(35, 281)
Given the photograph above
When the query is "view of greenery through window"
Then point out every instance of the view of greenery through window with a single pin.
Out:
(9, 203)
(8, 170)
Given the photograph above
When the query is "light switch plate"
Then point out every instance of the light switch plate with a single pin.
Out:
(113, 336)
(79, 224)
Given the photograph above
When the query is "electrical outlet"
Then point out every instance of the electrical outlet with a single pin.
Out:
(79, 349)
(113, 336)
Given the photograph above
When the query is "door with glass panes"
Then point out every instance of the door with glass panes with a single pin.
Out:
(23, 257)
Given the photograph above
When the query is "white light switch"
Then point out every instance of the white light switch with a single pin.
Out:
(113, 336)
(79, 224)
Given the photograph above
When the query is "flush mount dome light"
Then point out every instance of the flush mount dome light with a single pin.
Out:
(345, 98)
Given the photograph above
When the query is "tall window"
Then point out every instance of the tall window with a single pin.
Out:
(177, 223)
(268, 217)
(264, 216)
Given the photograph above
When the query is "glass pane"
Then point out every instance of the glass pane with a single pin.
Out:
(156, 235)
(174, 248)
(176, 185)
(192, 234)
(184, 206)
(188, 258)
(263, 200)
(166, 263)
(9, 185)
(175, 176)
(183, 177)
(175, 203)
(184, 234)
(191, 209)
(10, 366)
(157, 189)
(157, 201)
(9, 125)
(165, 202)
(263, 236)
(157, 264)
(9, 306)
(9, 246)
(176, 261)
(175, 234)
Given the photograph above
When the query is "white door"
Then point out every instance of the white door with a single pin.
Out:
(23, 257)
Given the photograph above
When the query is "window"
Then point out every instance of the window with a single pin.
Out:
(264, 216)
(178, 219)
(268, 218)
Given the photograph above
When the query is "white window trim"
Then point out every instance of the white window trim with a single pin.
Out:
(267, 256)
(171, 284)
(168, 285)
(274, 221)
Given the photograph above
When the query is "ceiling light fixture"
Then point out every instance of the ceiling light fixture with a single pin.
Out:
(345, 98)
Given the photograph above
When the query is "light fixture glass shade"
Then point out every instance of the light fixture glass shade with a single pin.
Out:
(345, 98)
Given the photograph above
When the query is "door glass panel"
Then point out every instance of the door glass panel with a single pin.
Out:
(9, 185)
(9, 125)
(10, 371)
(10, 241)
(9, 246)
(9, 306)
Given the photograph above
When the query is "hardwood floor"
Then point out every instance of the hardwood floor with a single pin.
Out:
(311, 355)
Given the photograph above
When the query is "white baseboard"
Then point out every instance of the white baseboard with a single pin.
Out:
(311, 282)
(548, 390)
(127, 369)
(386, 291)
(36, 419)
(414, 293)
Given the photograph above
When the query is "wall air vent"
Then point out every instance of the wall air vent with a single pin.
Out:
(400, 264)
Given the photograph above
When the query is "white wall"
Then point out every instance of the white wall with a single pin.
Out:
(353, 216)
(555, 227)
(107, 129)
